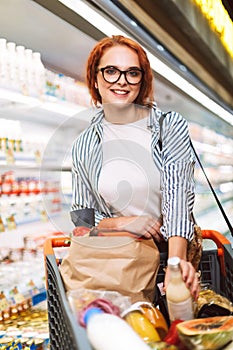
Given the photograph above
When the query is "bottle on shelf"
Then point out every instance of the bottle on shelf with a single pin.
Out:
(21, 68)
(179, 299)
(11, 66)
(3, 62)
(30, 86)
(39, 74)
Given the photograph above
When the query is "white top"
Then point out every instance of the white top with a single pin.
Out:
(129, 180)
(176, 163)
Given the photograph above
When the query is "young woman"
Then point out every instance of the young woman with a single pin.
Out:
(119, 167)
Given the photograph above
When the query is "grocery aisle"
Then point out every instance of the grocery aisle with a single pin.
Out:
(44, 105)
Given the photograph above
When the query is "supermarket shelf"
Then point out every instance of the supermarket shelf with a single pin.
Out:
(59, 222)
(19, 157)
(36, 167)
(9, 99)
(14, 238)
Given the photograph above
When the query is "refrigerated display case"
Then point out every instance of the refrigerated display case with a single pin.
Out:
(50, 119)
(36, 177)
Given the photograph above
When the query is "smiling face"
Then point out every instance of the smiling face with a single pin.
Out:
(123, 58)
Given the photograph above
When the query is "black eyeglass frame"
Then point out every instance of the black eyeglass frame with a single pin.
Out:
(121, 72)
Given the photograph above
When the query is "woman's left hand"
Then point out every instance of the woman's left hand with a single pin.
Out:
(190, 277)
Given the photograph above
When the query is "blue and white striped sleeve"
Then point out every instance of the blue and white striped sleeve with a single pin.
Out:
(82, 189)
(177, 178)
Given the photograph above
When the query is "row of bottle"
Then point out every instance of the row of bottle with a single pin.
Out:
(10, 135)
(24, 199)
(12, 185)
(65, 88)
(17, 146)
(26, 209)
(22, 70)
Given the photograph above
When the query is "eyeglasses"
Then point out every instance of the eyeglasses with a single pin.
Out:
(111, 74)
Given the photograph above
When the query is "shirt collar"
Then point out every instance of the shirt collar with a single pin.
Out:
(98, 117)
(153, 120)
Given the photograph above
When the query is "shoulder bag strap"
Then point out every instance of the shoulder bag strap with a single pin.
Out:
(212, 190)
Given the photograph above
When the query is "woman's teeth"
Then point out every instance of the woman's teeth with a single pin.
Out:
(120, 92)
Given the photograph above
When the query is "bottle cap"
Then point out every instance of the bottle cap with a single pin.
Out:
(91, 312)
(174, 261)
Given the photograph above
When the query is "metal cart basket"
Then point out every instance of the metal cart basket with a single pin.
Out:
(65, 333)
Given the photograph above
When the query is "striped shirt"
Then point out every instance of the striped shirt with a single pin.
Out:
(175, 162)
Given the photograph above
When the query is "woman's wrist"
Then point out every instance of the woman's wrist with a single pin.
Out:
(177, 246)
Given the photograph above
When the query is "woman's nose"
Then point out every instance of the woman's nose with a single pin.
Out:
(122, 79)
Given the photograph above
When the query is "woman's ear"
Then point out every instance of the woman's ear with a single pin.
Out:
(96, 85)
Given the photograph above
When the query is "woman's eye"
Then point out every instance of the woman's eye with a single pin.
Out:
(134, 73)
(111, 71)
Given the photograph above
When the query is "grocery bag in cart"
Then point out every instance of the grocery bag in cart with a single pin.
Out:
(216, 268)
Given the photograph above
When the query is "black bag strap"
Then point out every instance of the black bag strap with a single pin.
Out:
(203, 170)
(212, 190)
(161, 119)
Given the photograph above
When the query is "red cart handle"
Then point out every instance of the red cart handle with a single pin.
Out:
(219, 240)
(217, 237)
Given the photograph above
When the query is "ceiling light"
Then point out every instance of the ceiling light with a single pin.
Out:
(160, 47)
(106, 27)
(183, 68)
(134, 24)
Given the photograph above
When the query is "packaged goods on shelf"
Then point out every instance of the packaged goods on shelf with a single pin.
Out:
(23, 199)
(23, 308)
(25, 329)
(22, 70)
(65, 88)
(16, 147)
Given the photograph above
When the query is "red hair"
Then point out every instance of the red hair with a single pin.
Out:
(145, 96)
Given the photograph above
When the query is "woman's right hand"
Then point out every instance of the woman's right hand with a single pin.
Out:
(146, 226)
(143, 226)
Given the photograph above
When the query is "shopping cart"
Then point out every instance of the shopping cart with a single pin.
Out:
(66, 334)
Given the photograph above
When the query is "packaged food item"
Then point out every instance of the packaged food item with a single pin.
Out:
(211, 304)
(103, 305)
(142, 326)
(154, 315)
(179, 299)
(6, 341)
(80, 298)
(2, 333)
